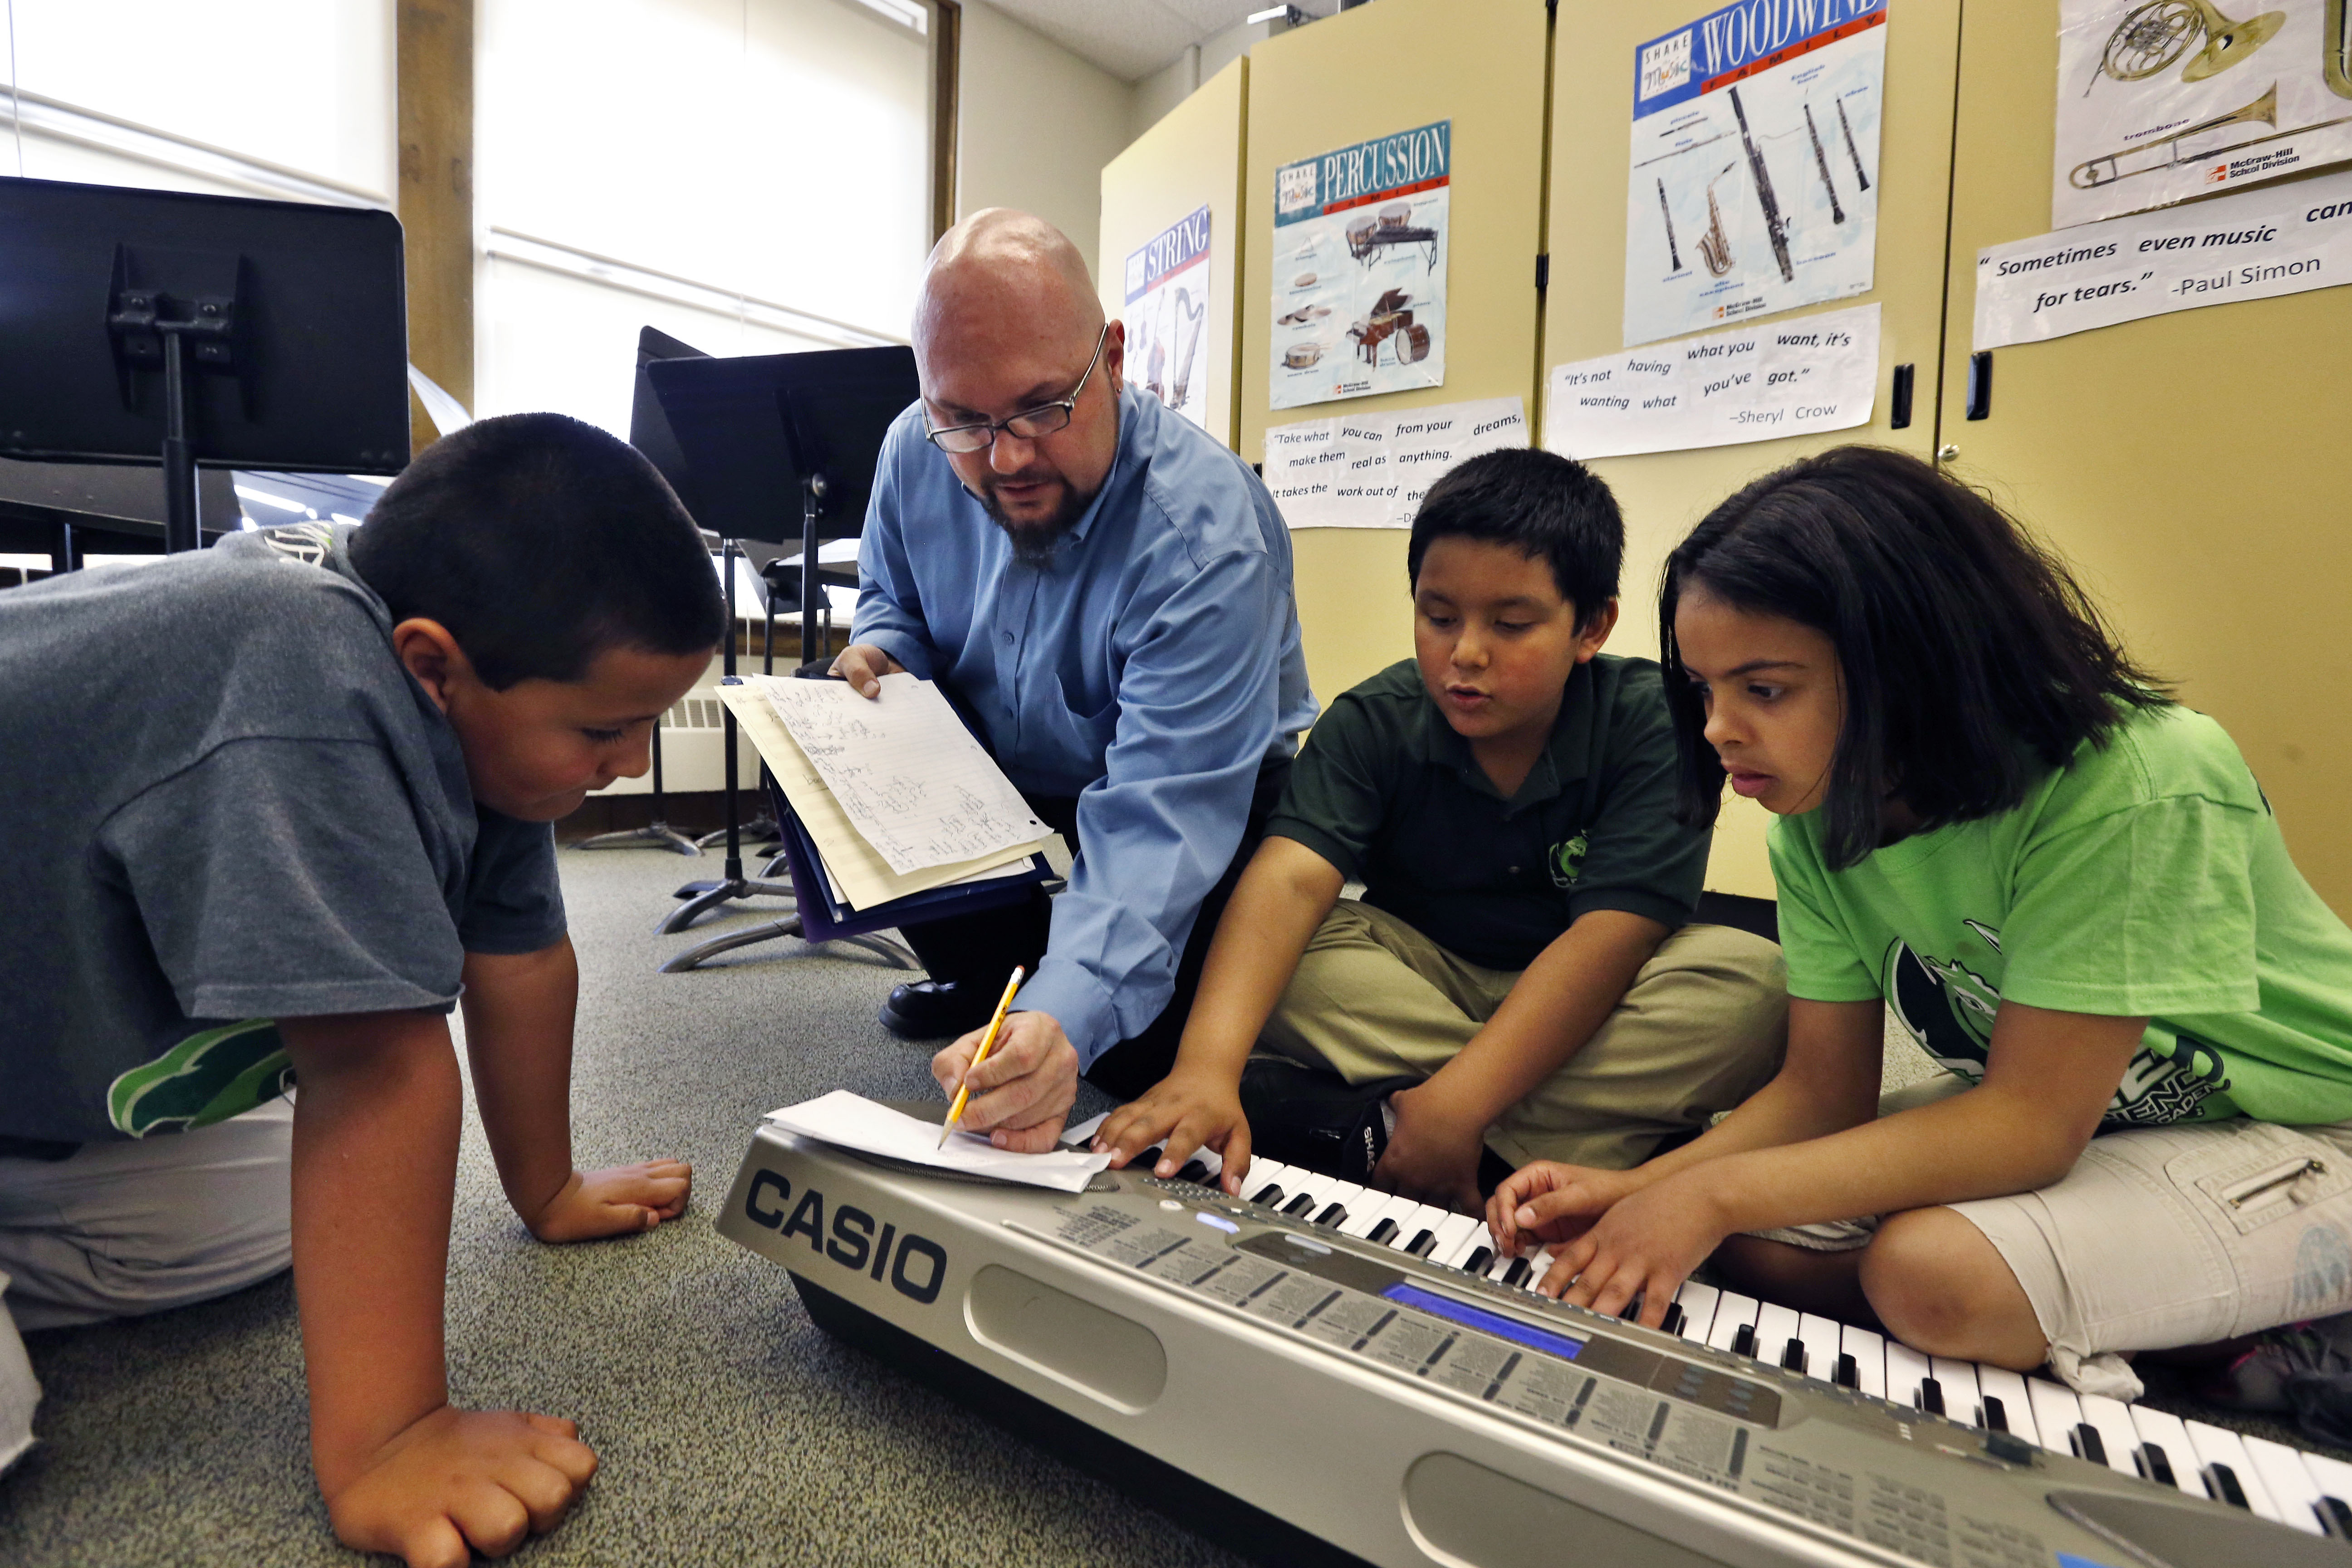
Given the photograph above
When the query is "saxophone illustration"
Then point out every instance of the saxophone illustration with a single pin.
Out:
(1715, 246)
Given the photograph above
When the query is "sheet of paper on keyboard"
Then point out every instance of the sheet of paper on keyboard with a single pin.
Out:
(853, 1122)
(912, 779)
(859, 874)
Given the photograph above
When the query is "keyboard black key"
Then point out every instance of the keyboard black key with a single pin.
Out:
(2225, 1487)
(2087, 1445)
(1147, 1161)
(1848, 1373)
(1298, 1206)
(1333, 1215)
(1674, 1321)
(1792, 1355)
(1423, 1244)
(2152, 1464)
(1269, 1194)
(1479, 1261)
(1193, 1172)
(1996, 1419)
(1931, 1396)
(1743, 1341)
(2335, 1516)
(1383, 1233)
(1517, 1274)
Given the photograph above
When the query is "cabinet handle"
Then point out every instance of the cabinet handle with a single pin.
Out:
(1981, 385)
(1898, 416)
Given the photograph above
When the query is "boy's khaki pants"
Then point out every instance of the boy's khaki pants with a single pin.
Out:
(1700, 1029)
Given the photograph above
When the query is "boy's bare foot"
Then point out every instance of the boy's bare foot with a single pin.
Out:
(620, 1201)
(460, 1481)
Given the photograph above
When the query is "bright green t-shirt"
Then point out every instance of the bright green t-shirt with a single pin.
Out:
(2147, 876)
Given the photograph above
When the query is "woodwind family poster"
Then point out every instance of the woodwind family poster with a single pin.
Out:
(1358, 299)
(2160, 101)
(1754, 182)
(1167, 315)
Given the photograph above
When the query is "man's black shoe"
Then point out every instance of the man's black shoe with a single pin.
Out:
(1317, 1120)
(935, 1010)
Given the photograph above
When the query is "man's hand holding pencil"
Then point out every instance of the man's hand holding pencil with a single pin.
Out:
(1022, 1090)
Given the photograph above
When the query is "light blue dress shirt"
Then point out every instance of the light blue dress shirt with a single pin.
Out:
(1150, 669)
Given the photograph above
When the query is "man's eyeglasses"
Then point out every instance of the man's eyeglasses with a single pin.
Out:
(1029, 424)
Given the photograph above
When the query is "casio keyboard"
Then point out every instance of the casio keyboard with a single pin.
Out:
(1323, 1372)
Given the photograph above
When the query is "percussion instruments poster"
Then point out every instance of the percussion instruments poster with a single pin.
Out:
(1750, 384)
(1371, 470)
(1167, 310)
(1753, 185)
(2160, 101)
(2250, 247)
(1359, 268)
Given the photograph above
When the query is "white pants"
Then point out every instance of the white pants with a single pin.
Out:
(119, 1229)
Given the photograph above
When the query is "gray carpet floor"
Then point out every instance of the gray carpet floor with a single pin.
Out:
(731, 1429)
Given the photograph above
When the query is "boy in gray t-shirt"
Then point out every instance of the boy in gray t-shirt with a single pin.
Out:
(275, 809)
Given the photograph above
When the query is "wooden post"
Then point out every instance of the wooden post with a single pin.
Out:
(947, 75)
(436, 196)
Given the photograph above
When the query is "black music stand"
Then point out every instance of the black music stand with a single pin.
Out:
(160, 327)
(780, 447)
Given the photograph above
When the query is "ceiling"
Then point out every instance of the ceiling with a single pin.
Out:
(1133, 38)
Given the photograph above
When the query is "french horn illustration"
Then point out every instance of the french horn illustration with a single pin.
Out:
(2150, 38)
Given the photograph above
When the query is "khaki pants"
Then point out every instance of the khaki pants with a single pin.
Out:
(1701, 1028)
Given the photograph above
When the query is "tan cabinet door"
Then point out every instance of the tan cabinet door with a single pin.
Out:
(1663, 493)
(2192, 466)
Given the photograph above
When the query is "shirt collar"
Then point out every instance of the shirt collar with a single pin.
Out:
(1123, 459)
(1565, 758)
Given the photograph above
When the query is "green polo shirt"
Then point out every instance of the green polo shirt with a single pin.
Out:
(1388, 793)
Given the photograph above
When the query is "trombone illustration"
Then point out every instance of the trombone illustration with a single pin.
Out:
(2091, 173)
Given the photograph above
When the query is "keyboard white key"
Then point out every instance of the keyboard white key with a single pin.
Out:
(2164, 1437)
(1869, 1353)
(1698, 1302)
(1412, 1223)
(1364, 1217)
(1775, 1326)
(1267, 1177)
(2331, 1478)
(2289, 1484)
(2056, 1411)
(1824, 1341)
(2111, 1419)
(1453, 1231)
(1733, 1312)
(2016, 1405)
(1539, 1265)
(1906, 1369)
(2218, 1445)
(1465, 1246)
(1957, 1382)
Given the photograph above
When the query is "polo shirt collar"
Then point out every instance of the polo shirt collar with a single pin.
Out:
(1123, 459)
(1566, 757)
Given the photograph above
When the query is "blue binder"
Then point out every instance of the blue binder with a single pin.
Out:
(824, 916)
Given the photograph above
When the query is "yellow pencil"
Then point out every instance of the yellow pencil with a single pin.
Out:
(987, 1044)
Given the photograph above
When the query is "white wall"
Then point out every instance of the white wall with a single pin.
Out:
(1035, 125)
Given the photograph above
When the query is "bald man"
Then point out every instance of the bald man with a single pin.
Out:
(1106, 590)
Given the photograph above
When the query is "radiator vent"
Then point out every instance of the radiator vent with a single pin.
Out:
(694, 713)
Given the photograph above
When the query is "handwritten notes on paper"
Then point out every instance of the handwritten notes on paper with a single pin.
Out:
(853, 1122)
(1752, 384)
(1371, 470)
(913, 780)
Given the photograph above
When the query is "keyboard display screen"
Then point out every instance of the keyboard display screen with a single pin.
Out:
(1564, 1346)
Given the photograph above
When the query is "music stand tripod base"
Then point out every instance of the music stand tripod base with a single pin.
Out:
(702, 898)
(694, 957)
(660, 833)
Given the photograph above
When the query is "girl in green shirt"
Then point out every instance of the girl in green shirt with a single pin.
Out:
(2069, 891)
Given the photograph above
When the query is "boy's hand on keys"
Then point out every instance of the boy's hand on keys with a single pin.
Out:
(461, 1481)
(1546, 1203)
(620, 1201)
(1432, 1154)
(1184, 1112)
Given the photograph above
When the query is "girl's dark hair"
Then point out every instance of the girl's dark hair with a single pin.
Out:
(541, 543)
(1972, 660)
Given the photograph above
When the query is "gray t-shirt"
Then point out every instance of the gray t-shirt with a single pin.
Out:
(226, 803)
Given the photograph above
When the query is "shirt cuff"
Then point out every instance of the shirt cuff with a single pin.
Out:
(1077, 1002)
(904, 647)
(1671, 913)
(1343, 858)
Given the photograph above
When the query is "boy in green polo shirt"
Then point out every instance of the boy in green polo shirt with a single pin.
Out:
(1518, 981)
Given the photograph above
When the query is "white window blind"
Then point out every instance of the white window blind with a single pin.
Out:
(751, 176)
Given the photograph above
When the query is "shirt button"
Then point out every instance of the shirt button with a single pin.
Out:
(1515, 870)
(1008, 638)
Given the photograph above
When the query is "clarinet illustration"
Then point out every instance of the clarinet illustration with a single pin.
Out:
(1672, 254)
(1776, 226)
(1850, 147)
(1822, 162)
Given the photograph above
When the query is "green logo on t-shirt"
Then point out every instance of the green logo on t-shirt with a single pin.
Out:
(209, 1077)
(1568, 861)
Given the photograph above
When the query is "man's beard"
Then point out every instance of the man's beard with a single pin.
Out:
(1033, 543)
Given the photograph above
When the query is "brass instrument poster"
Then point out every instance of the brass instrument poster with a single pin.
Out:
(1167, 313)
(1753, 185)
(2264, 243)
(1359, 268)
(1371, 470)
(2160, 101)
(1750, 384)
